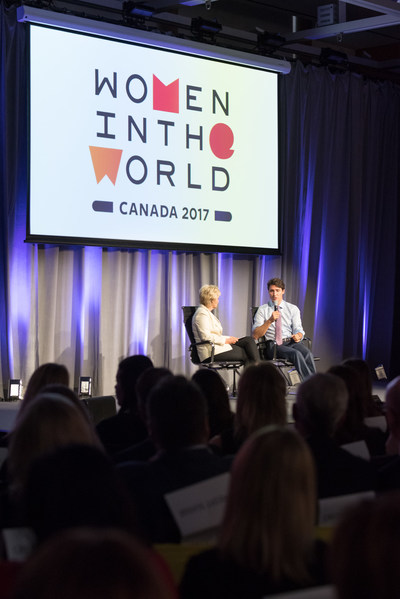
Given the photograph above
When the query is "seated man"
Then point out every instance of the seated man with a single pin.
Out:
(178, 424)
(321, 403)
(280, 323)
(126, 427)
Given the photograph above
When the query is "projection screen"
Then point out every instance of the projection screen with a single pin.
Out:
(146, 141)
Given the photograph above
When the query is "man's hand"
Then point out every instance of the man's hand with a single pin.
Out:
(297, 337)
(274, 316)
(231, 340)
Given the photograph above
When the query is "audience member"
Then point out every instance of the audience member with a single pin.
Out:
(266, 542)
(75, 485)
(320, 405)
(220, 415)
(365, 552)
(393, 416)
(373, 406)
(68, 394)
(94, 564)
(125, 428)
(261, 401)
(57, 389)
(48, 422)
(178, 426)
(389, 469)
(46, 374)
(352, 427)
(9, 574)
(144, 449)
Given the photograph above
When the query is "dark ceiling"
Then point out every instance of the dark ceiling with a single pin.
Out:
(362, 35)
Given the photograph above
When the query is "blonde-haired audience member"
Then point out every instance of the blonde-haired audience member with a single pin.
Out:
(49, 373)
(266, 544)
(48, 422)
(365, 551)
(261, 402)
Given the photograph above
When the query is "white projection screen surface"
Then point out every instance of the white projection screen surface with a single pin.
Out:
(134, 145)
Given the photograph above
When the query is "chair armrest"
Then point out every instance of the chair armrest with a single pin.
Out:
(206, 342)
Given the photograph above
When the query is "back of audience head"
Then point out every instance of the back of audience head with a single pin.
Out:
(46, 374)
(393, 397)
(145, 383)
(354, 417)
(271, 529)
(365, 551)
(177, 414)
(220, 415)
(75, 485)
(372, 405)
(68, 394)
(93, 564)
(363, 369)
(261, 399)
(321, 403)
(128, 373)
(49, 421)
(393, 408)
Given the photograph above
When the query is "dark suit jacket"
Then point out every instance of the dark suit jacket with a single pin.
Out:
(140, 452)
(121, 431)
(148, 482)
(339, 472)
(388, 469)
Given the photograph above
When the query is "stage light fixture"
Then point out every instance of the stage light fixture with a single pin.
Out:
(268, 43)
(380, 372)
(201, 27)
(14, 389)
(85, 386)
(333, 58)
(207, 3)
(137, 9)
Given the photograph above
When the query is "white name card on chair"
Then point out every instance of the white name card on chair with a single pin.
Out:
(377, 422)
(18, 543)
(199, 507)
(331, 508)
(359, 449)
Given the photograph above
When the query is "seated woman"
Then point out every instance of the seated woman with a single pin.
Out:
(220, 415)
(261, 402)
(352, 427)
(365, 550)
(373, 406)
(207, 327)
(49, 373)
(266, 543)
(49, 421)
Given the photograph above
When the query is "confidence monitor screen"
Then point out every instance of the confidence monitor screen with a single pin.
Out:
(134, 145)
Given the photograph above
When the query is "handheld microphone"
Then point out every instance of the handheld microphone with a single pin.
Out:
(275, 307)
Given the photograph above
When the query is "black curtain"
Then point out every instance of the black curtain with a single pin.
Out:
(340, 187)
